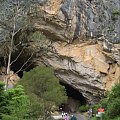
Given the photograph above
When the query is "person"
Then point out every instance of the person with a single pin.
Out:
(73, 117)
(62, 114)
(90, 113)
(101, 109)
(66, 117)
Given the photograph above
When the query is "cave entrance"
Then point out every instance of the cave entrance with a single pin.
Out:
(75, 99)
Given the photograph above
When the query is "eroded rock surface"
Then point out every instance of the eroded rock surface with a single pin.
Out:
(72, 19)
(85, 49)
(85, 67)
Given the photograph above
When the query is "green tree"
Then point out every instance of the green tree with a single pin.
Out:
(18, 103)
(113, 103)
(43, 85)
(14, 104)
(3, 101)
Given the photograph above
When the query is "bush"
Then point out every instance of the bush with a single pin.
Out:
(115, 92)
(14, 104)
(4, 102)
(111, 104)
(8, 117)
(113, 108)
(117, 118)
(95, 108)
(84, 108)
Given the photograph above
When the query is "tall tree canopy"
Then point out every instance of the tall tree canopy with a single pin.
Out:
(42, 84)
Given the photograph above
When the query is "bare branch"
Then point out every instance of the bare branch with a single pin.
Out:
(17, 31)
(25, 63)
(18, 44)
(27, 66)
(17, 57)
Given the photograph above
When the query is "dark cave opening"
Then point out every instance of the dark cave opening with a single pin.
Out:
(75, 99)
(16, 67)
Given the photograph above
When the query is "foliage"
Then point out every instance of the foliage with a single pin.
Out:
(117, 118)
(95, 108)
(102, 103)
(3, 101)
(93, 118)
(42, 86)
(41, 43)
(115, 92)
(116, 12)
(111, 104)
(14, 104)
(36, 107)
(84, 108)
(113, 108)
(1, 87)
(19, 102)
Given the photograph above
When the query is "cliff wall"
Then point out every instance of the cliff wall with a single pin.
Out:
(85, 48)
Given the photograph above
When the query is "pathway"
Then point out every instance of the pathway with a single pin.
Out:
(78, 116)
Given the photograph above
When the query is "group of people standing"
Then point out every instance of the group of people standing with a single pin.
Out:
(65, 116)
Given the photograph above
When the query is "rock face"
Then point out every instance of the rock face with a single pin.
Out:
(72, 19)
(85, 67)
(85, 49)
(13, 77)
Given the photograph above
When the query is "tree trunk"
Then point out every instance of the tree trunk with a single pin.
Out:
(7, 78)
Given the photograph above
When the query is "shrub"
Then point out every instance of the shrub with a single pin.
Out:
(112, 104)
(95, 108)
(113, 108)
(104, 103)
(115, 92)
(117, 118)
(8, 117)
(14, 104)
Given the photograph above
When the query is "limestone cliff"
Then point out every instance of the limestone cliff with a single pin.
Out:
(85, 49)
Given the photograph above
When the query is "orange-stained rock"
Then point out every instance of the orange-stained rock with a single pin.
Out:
(52, 6)
(88, 54)
(12, 79)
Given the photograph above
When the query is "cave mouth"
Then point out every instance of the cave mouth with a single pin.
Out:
(75, 99)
